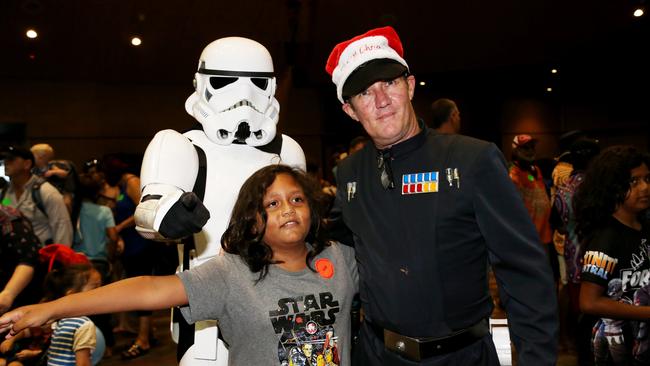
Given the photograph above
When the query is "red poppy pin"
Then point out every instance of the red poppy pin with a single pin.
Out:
(324, 267)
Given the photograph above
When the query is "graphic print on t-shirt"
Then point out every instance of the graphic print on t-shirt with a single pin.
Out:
(626, 276)
(305, 328)
(633, 273)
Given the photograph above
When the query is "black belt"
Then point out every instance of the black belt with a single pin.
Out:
(417, 349)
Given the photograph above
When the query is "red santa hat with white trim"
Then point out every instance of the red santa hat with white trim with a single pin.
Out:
(359, 62)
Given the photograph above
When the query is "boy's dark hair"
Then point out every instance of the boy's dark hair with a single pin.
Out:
(242, 239)
(61, 280)
(605, 186)
(88, 187)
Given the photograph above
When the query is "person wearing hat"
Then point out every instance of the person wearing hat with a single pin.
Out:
(427, 212)
(528, 179)
(37, 200)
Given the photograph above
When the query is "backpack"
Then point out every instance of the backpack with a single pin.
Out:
(36, 194)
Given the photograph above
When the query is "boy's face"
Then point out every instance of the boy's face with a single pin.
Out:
(638, 197)
(94, 281)
(288, 217)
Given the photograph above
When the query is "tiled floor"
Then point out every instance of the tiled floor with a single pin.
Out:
(163, 354)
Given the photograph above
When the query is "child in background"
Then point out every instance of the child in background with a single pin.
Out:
(610, 210)
(279, 286)
(96, 237)
(73, 338)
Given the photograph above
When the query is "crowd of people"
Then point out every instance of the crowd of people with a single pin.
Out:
(417, 219)
(47, 202)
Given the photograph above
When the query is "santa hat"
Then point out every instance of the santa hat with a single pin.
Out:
(357, 63)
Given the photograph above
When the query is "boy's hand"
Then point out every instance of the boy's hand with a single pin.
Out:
(23, 317)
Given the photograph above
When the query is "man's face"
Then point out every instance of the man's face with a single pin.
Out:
(455, 120)
(16, 166)
(526, 152)
(384, 110)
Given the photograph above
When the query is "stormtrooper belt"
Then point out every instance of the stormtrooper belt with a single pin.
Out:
(417, 349)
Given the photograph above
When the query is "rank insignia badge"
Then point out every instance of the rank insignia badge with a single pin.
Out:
(420, 183)
(351, 190)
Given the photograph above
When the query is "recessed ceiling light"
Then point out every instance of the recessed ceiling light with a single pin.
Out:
(31, 33)
(549, 89)
(136, 41)
(638, 12)
(553, 71)
(423, 83)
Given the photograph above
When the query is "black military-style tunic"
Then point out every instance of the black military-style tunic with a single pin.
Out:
(423, 247)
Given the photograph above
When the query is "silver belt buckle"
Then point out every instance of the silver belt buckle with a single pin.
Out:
(402, 345)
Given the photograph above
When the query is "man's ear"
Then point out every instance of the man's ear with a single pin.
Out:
(410, 81)
(349, 110)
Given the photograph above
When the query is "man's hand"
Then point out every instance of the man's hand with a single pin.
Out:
(26, 354)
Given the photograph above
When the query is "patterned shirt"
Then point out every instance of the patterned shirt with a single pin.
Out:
(533, 191)
(69, 336)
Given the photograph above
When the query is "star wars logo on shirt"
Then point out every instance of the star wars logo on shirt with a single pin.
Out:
(305, 325)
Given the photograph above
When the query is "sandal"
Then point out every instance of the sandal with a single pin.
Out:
(134, 351)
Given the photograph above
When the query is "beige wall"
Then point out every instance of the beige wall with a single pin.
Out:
(87, 120)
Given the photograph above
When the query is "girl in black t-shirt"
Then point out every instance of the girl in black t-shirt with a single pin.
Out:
(610, 210)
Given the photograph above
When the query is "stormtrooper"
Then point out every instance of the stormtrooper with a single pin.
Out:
(190, 181)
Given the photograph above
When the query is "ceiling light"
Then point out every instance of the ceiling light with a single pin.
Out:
(549, 89)
(553, 71)
(136, 41)
(31, 34)
(423, 83)
(638, 12)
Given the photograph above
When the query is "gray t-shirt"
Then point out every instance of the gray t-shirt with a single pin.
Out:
(302, 315)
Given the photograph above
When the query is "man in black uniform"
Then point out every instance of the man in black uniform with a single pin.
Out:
(427, 212)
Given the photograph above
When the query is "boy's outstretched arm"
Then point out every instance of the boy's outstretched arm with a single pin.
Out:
(138, 293)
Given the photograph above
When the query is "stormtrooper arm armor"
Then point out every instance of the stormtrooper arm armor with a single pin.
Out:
(168, 210)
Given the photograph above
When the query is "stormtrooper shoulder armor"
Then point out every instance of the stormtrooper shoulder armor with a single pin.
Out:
(170, 159)
(292, 153)
(169, 169)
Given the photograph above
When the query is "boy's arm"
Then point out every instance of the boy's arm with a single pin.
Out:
(82, 357)
(138, 293)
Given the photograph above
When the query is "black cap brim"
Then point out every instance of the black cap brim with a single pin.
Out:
(371, 72)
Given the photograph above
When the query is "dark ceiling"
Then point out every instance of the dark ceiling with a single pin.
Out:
(88, 40)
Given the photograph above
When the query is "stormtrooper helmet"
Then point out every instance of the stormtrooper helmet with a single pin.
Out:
(234, 93)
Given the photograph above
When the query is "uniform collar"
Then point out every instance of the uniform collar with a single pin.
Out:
(405, 147)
